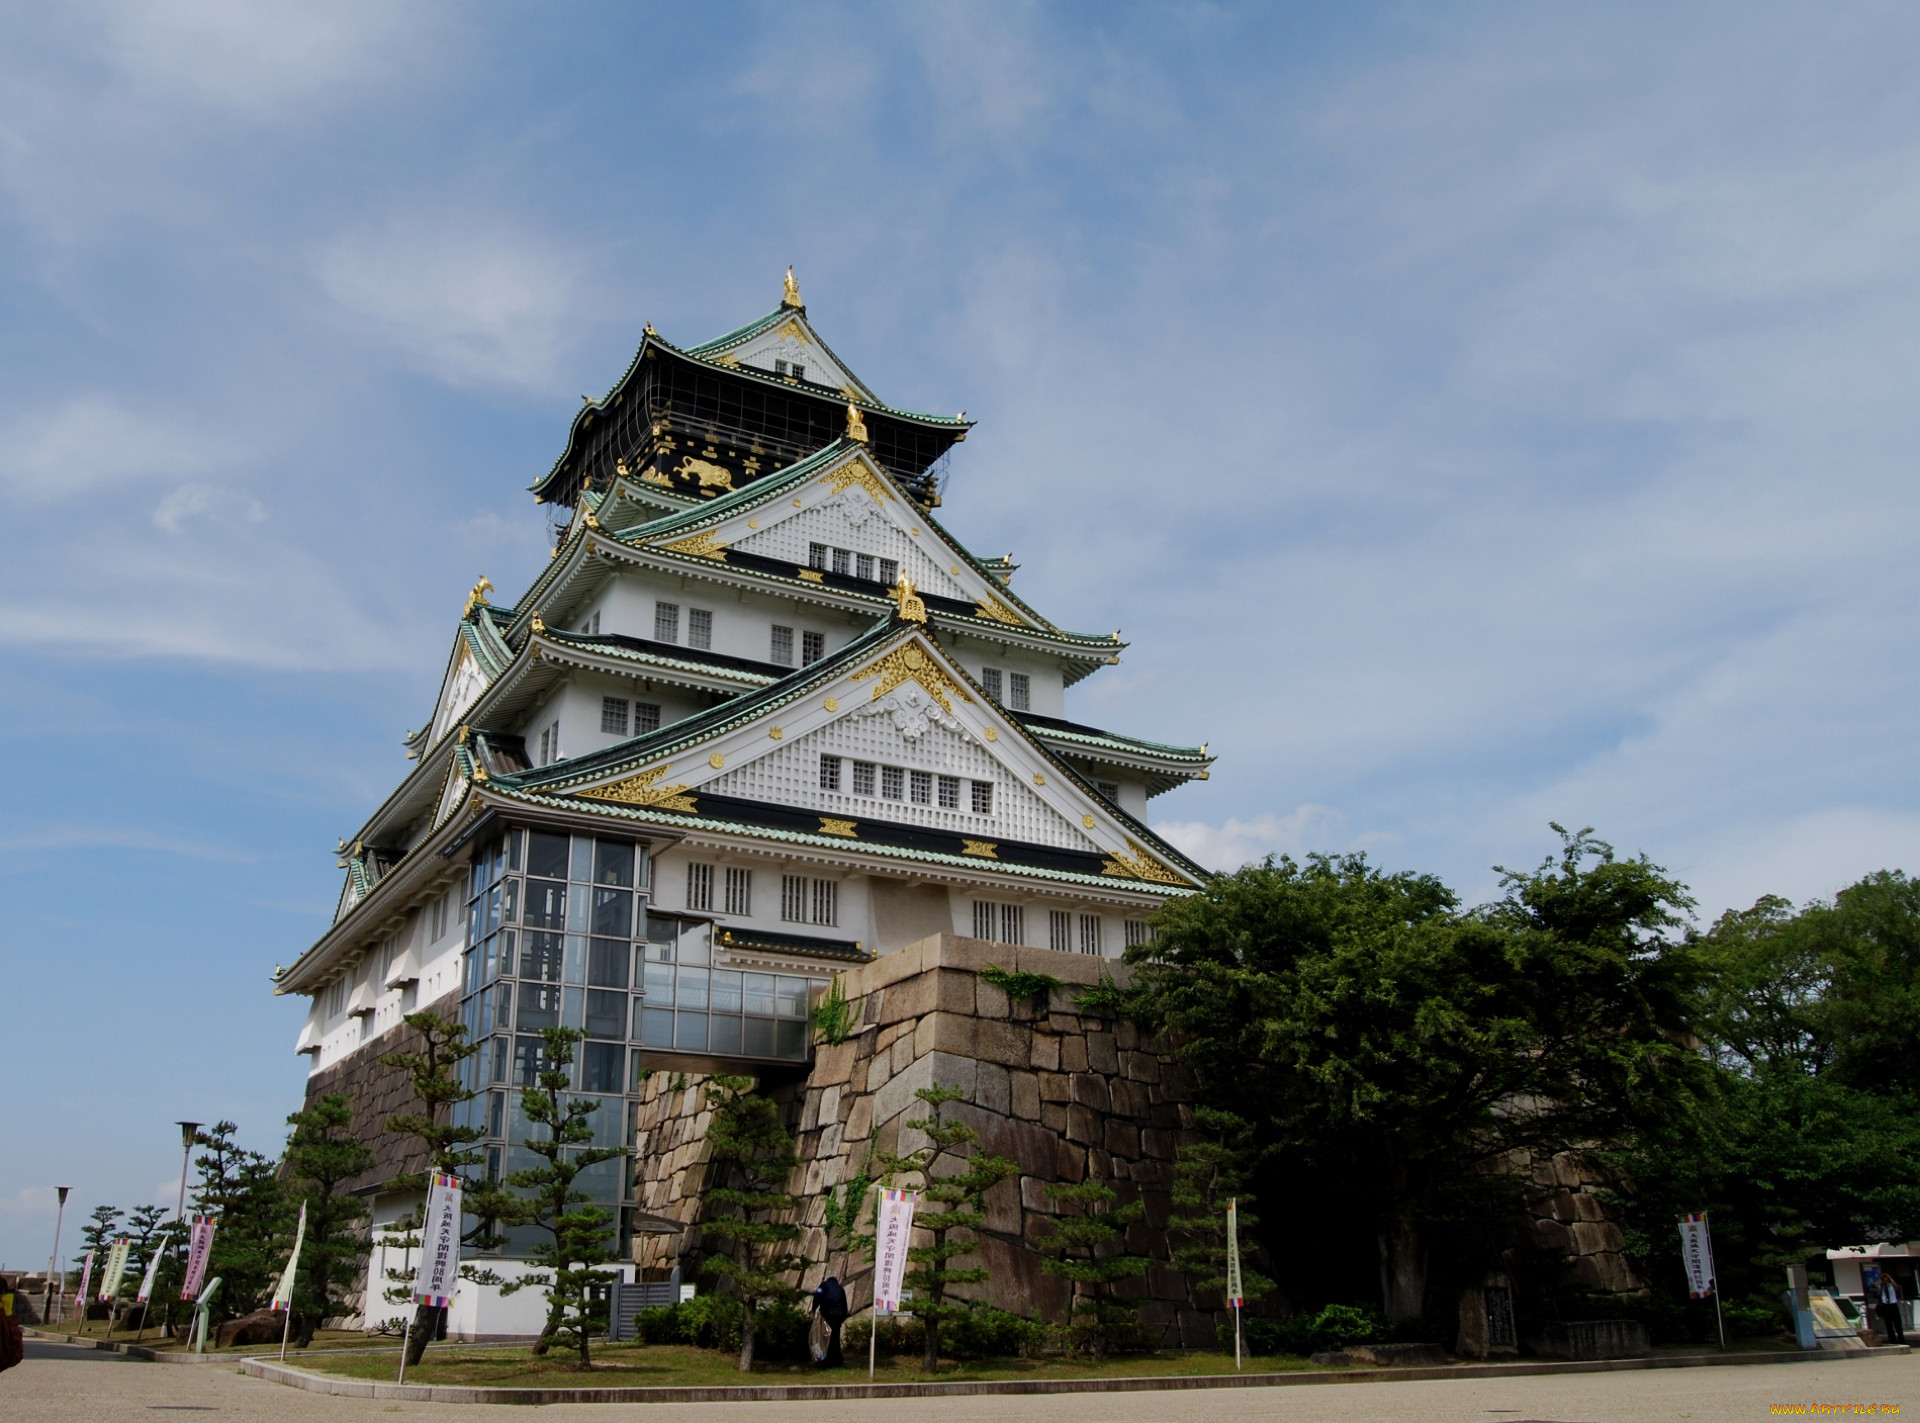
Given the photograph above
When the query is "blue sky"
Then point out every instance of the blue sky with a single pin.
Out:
(1472, 416)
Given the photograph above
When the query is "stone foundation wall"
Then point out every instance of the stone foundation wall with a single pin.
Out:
(375, 1093)
(1064, 1094)
(1570, 1226)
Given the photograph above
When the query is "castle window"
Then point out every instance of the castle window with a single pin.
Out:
(863, 777)
(1109, 789)
(782, 654)
(793, 898)
(337, 997)
(1004, 923)
(613, 716)
(843, 561)
(666, 622)
(739, 891)
(550, 745)
(700, 886)
(646, 717)
(817, 556)
(826, 901)
(863, 566)
(1138, 931)
(699, 628)
(1019, 691)
(990, 682)
(983, 797)
(922, 784)
(889, 572)
(1089, 933)
(813, 647)
(893, 781)
(949, 792)
(829, 773)
(1060, 930)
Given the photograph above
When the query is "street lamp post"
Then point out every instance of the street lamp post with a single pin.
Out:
(188, 1134)
(56, 1290)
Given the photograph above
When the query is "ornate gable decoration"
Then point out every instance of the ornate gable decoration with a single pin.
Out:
(992, 608)
(1139, 865)
(911, 664)
(856, 471)
(701, 545)
(644, 789)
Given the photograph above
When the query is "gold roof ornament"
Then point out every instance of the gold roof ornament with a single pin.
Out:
(913, 608)
(790, 295)
(856, 423)
(539, 624)
(477, 596)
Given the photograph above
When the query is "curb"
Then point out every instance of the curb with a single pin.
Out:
(132, 1351)
(274, 1372)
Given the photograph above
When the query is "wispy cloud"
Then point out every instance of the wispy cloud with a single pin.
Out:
(95, 441)
(72, 837)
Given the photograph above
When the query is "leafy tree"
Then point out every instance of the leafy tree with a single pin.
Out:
(323, 1158)
(146, 1234)
(254, 1231)
(1206, 1175)
(954, 1176)
(1097, 1321)
(434, 1073)
(99, 1233)
(753, 1156)
(1386, 1041)
(579, 1233)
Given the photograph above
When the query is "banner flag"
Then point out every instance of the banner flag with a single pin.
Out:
(116, 1267)
(86, 1282)
(890, 1258)
(1236, 1295)
(1696, 1253)
(199, 1250)
(283, 1292)
(440, 1243)
(153, 1268)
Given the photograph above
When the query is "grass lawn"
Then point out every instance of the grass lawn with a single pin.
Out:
(680, 1366)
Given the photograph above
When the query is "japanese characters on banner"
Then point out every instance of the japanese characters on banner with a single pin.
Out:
(1696, 1254)
(1236, 1295)
(890, 1256)
(199, 1250)
(86, 1282)
(283, 1292)
(153, 1267)
(116, 1267)
(440, 1243)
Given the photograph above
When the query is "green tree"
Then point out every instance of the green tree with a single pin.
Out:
(323, 1158)
(579, 1233)
(954, 1177)
(242, 1188)
(752, 1156)
(97, 1235)
(1384, 1040)
(1207, 1174)
(1086, 1251)
(146, 1233)
(433, 1071)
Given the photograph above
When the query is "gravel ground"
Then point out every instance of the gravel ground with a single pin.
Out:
(57, 1384)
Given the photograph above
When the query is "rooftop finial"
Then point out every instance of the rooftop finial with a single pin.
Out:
(912, 608)
(856, 423)
(791, 296)
(477, 596)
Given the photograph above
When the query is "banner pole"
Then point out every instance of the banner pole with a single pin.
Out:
(873, 1343)
(285, 1330)
(1236, 1338)
(406, 1339)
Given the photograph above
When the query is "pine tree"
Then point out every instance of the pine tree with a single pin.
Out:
(1097, 1322)
(957, 1193)
(145, 1233)
(580, 1232)
(1206, 1175)
(437, 1090)
(753, 1156)
(323, 1157)
(97, 1235)
(254, 1229)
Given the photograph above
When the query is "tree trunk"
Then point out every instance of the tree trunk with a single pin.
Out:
(931, 1362)
(746, 1336)
(426, 1324)
(1403, 1271)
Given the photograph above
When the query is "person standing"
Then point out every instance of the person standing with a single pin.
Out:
(830, 1303)
(1888, 1294)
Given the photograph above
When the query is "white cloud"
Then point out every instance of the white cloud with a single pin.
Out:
(192, 500)
(1236, 842)
(96, 441)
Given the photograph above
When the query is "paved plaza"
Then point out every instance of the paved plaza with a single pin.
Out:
(57, 1384)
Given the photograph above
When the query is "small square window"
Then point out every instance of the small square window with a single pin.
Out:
(893, 782)
(813, 647)
(646, 717)
(779, 368)
(843, 561)
(817, 556)
(863, 777)
(829, 773)
(983, 797)
(922, 784)
(1019, 691)
(613, 716)
(949, 792)
(990, 682)
(782, 653)
(699, 628)
(666, 622)
(797, 371)
(889, 572)
(1109, 789)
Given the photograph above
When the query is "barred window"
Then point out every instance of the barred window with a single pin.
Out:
(863, 566)
(1138, 931)
(817, 556)
(983, 797)
(990, 682)
(782, 654)
(829, 773)
(1060, 930)
(863, 777)
(842, 561)
(1019, 691)
(739, 891)
(813, 647)
(613, 716)
(922, 784)
(699, 628)
(1003, 923)
(793, 898)
(699, 886)
(666, 622)
(646, 717)
(889, 572)
(983, 917)
(949, 792)
(893, 781)
(1013, 924)
(826, 901)
(1089, 933)
(1109, 789)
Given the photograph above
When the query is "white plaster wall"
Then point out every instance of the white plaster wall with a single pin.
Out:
(742, 622)
(479, 1311)
(439, 968)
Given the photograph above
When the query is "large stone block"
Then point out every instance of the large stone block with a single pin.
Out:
(1587, 1207)
(1005, 1043)
(1024, 1095)
(1102, 1054)
(1140, 1066)
(1056, 1087)
(1091, 1091)
(833, 1063)
(1123, 1138)
(992, 1089)
(1018, 1283)
(1595, 1237)
(897, 1098)
(990, 1001)
(1073, 1054)
(1045, 1053)
(1053, 1116)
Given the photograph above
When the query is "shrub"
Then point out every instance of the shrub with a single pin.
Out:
(988, 1332)
(1333, 1327)
(897, 1336)
(713, 1322)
